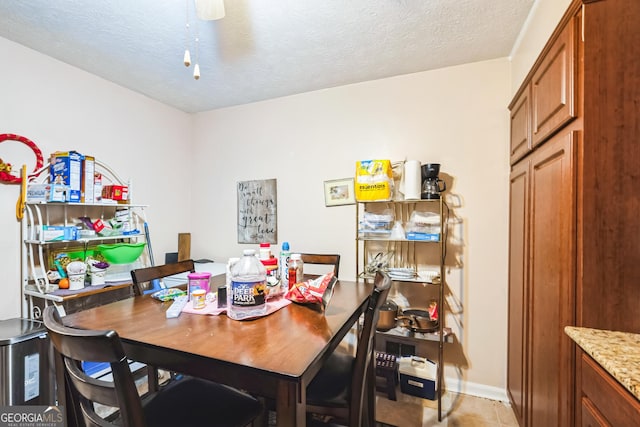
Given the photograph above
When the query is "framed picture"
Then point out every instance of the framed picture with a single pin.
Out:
(257, 211)
(339, 192)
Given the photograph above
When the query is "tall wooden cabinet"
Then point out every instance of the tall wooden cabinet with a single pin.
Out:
(542, 266)
(543, 223)
(575, 199)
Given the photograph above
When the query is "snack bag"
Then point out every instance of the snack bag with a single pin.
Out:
(374, 180)
(313, 291)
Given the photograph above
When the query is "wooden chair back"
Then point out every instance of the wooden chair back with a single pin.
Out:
(147, 274)
(322, 259)
(72, 346)
(363, 371)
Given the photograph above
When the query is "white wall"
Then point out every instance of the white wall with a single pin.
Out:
(542, 20)
(62, 108)
(455, 116)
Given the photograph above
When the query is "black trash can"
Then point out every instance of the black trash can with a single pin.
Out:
(26, 374)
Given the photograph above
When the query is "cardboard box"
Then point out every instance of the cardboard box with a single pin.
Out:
(59, 193)
(97, 187)
(88, 172)
(65, 168)
(38, 193)
(423, 237)
(58, 232)
(418, 376)
(115, 192)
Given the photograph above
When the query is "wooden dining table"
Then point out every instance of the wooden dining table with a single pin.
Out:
(275, 356)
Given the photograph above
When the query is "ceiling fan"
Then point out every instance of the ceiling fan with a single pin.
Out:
(210, 10)
(206, 10)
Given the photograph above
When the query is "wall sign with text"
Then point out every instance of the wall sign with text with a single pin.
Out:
(257, 211)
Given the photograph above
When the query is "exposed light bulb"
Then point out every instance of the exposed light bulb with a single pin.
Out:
(196, 72)
(210, 10)
(187, 58)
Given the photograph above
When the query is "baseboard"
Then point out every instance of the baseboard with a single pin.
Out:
(455, 385)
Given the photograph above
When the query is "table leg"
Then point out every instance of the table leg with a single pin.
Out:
(291, 405)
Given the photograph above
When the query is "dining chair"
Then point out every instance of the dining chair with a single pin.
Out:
(185, 402)
(341, 387)
(140, 276)
(149, 274)
(322, 259)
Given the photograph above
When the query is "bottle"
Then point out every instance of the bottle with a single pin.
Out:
(295, 270)
(246, 295)
(230, 264)
(285, 254)
(265, 251)
(274, 290)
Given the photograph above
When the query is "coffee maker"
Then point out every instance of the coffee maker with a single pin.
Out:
(432, 186)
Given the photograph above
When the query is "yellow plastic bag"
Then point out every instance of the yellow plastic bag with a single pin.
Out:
(374, 180)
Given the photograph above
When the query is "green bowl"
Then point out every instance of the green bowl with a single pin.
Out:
(122, 253)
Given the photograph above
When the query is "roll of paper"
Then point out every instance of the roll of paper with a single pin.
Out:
(412, 180)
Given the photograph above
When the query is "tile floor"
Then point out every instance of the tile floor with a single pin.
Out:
(458, 410)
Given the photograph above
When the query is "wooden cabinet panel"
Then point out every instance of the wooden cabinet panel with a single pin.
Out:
(591, 417)
(613, 402)
(553, 87)
(611, 290)
(518, 251)
(520, 140)
(551, 281)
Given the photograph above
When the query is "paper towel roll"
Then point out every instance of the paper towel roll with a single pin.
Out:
(412, 180)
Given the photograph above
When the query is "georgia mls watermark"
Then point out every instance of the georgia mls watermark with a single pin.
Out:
(32, 416)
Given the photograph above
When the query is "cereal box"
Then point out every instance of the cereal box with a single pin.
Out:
(65, 168)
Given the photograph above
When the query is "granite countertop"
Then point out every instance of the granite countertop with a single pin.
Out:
(617, 352)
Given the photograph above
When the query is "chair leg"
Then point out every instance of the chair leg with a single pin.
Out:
(152, 378)
(370, 401)
(262, 420)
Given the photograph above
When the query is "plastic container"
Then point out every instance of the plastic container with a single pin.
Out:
(121, 253)
(197, 281)
(246, 295)
(295, 270)
(265, 251)
(273, 283)
(418, 377)
(285, 254)
(198, 299)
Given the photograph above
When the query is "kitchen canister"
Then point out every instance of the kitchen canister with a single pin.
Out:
(412, 180)
(76, 281)
(198, 280)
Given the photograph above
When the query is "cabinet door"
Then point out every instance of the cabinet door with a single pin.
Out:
(517, 333)
(609, 399)
(520, 139)
(551, 293)
(553, 87)
(591, 417)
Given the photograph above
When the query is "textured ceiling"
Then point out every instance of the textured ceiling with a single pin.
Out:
(262, 49)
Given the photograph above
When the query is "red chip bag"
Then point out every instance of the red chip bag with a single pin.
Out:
(313, 291)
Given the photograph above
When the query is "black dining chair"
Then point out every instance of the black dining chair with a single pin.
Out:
(140, 276)
(340, 390)
(322, 259)
(185, 402)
